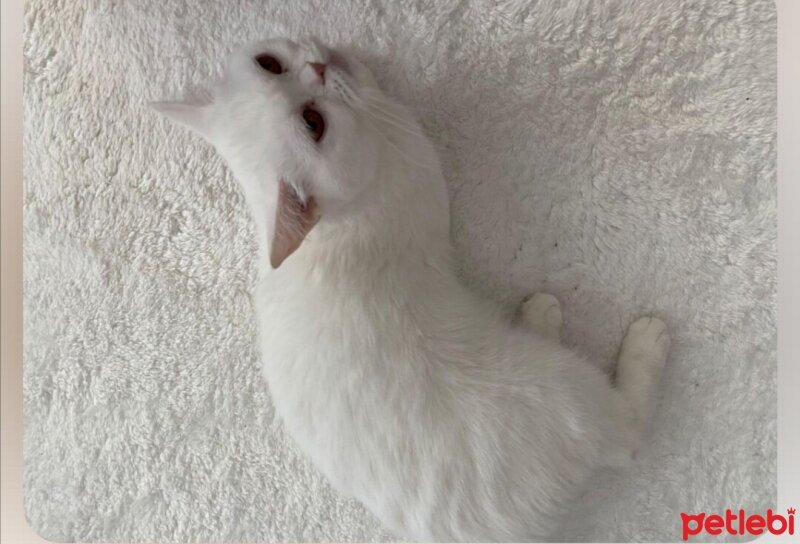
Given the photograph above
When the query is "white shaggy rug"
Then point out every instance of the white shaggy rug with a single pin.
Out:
(619, 154)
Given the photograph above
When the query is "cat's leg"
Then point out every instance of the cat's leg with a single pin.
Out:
(639, 368)
(542, 313)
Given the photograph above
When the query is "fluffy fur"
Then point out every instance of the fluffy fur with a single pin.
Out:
(444, 416)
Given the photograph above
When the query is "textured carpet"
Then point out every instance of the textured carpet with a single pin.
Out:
(620, 155)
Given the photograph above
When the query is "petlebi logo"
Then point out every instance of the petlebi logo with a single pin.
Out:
(738, 523)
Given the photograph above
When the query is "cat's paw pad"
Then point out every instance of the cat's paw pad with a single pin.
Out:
(648, 336)
(542, 311)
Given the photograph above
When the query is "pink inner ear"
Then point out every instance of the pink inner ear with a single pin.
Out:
(294, 219)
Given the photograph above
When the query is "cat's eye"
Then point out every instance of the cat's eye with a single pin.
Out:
(269, 63)
(315, 122)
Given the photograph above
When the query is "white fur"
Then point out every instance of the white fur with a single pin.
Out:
(447, 418)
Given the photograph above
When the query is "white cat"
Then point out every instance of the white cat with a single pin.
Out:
(444, 416)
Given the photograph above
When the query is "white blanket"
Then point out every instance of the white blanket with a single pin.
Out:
(618, 154)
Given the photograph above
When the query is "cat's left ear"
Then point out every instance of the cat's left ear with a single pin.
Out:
(192, 115)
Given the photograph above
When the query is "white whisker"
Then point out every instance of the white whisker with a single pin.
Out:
(378, 114)
(399, 118)
(430, 167)
(372, 96)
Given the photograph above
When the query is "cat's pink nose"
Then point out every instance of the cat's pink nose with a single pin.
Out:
(319, 68)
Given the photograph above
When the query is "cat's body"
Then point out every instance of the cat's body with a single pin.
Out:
(447, 426)
(447, 418)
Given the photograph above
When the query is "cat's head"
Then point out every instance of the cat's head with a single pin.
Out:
(294, 123)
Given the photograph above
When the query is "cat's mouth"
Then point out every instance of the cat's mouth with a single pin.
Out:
(338, 61)
(335, 63)
(335, 76)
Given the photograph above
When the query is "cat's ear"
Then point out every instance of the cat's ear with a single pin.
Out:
(193, 115)
(294, 219)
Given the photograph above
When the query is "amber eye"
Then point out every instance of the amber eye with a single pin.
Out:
(315, 122)
(269, 63)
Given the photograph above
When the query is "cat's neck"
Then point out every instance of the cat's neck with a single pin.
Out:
(405, 229)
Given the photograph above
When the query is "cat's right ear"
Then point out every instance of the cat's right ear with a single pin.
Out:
(192, 115)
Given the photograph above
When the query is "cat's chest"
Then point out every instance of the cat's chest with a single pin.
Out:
(326, 350)
(335, 375)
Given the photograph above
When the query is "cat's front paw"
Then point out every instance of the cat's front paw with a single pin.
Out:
(647, 338)
(542, 313)
(640, 365)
